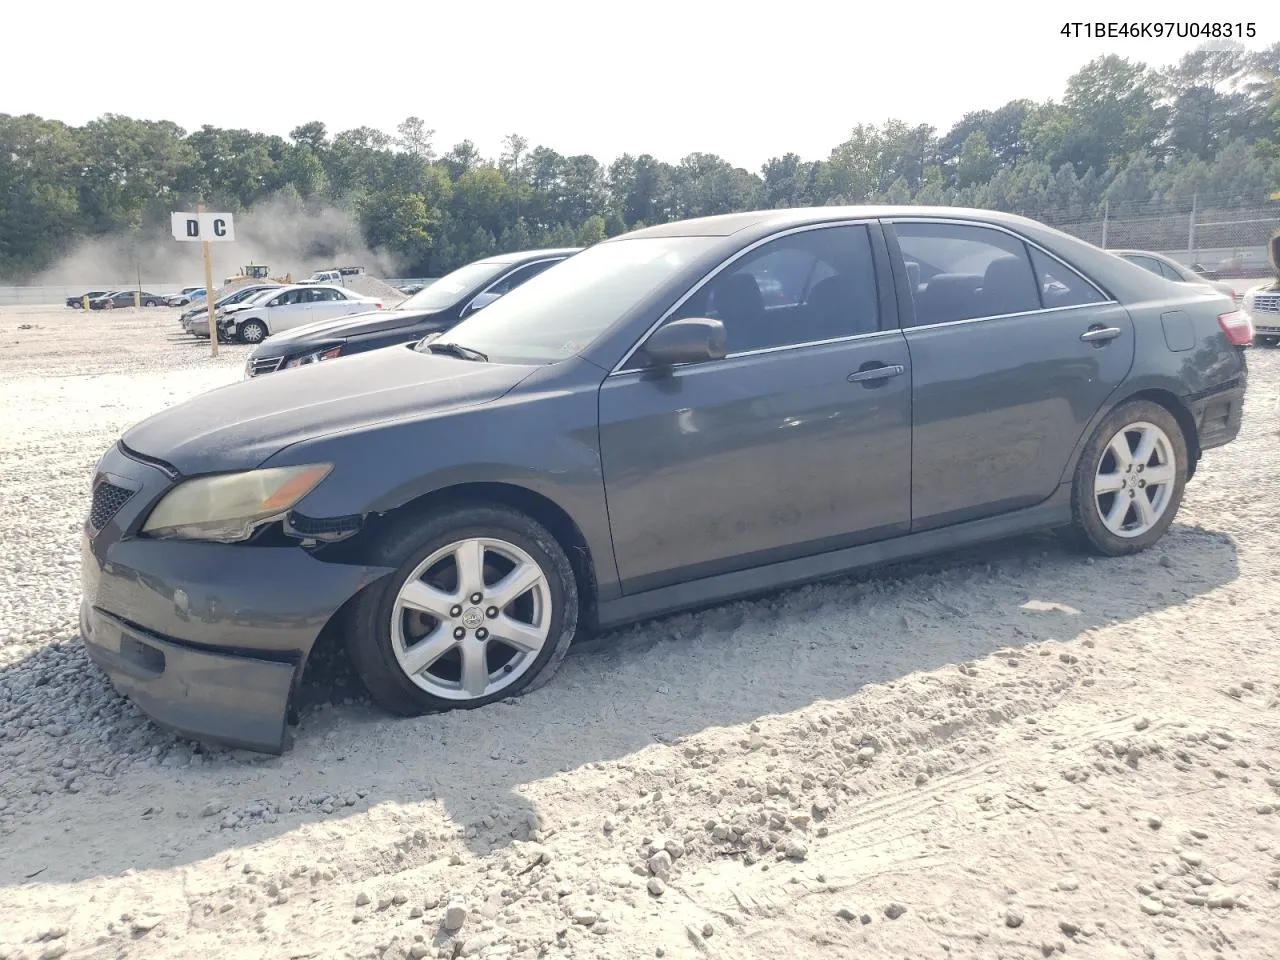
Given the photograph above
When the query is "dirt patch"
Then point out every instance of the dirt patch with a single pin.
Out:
(369, 286)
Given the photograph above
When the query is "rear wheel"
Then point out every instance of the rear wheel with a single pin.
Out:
(482, 606)
(1129, 480)
(253, 331)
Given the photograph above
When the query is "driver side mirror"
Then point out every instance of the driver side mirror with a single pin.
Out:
(692, 340)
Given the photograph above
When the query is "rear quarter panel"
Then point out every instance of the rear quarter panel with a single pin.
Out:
(1192, 374)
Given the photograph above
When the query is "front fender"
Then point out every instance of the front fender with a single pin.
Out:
(542, 437)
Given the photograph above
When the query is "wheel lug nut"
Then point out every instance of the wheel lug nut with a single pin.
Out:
(477, 597)
(482, 634)
(455, 611)
(491, 612)
(459, 633)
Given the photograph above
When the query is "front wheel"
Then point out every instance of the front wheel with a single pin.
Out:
(1129, 480)
(253, 331)
(1269, 341)
(482, 606)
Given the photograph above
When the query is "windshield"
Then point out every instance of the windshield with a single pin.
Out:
(560, 312)
(452, 287)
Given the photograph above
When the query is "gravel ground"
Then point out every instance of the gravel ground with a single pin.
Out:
(1008, 752)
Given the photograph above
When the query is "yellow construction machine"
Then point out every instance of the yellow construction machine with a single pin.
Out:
(257, 271)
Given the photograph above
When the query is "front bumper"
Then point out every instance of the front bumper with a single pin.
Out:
(208, 639)
(235, 700)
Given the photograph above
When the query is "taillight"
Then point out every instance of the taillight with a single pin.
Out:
(1237, 327)
(377, 306)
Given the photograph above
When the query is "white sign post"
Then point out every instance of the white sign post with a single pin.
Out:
(205, 228)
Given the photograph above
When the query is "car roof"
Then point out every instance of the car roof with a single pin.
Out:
(766, 221)
(523, 255)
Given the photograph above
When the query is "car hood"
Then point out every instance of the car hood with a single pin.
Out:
(339, 328)
(238, 426)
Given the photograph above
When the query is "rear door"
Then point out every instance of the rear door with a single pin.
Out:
(329, 302)
(1012, 353)
(796, 442)
(290, 309)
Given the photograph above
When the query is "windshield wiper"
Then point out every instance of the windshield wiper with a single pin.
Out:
(457, 350)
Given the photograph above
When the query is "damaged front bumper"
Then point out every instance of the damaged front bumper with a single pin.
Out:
(208, 639)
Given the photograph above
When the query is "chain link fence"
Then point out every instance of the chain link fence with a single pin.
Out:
(1223, 234)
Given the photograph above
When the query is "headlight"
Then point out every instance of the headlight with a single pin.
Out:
(229, 507)
(314, 357)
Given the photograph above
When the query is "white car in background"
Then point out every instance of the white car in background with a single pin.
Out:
(288, 307)
(1262, 303)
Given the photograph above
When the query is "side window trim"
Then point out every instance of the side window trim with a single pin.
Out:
(880, 265)
(902, 286)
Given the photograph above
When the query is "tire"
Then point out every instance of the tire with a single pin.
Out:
(150, 303)
(252, 331)
(1269, 341)
(379, 630)
(1136, 421)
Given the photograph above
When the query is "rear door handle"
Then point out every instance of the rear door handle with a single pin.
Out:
(877, 373)
(1100, 334)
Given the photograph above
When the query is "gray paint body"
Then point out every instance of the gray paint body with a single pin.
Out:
(670, 479)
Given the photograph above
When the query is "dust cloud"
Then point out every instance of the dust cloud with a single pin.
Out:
(283, 233)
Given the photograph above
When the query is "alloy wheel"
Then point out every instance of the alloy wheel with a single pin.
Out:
(471, 619)
(1134, 481)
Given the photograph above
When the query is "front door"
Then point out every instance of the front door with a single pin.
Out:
(1012, 354)
(797, 442)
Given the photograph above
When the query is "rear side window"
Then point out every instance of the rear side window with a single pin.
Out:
(1146, 263)
(1060, 286)
(962, 272)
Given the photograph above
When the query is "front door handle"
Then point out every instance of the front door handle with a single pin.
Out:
(870, 373)
(1100, 335)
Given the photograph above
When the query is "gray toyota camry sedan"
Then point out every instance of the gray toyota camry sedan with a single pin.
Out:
(678, 416)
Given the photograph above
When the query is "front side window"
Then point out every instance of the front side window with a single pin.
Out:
(963, 272)
(802, 288)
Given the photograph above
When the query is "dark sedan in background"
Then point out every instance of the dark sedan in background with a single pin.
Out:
(641, 430)
(78, 302)
(124, 298)
(433, 309)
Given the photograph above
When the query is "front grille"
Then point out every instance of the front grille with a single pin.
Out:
(1267, 303)
(107, 501)
(264, 365)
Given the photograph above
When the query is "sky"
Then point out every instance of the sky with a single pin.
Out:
(742, 79)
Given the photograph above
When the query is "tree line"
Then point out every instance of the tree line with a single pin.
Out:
(1123, 133)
